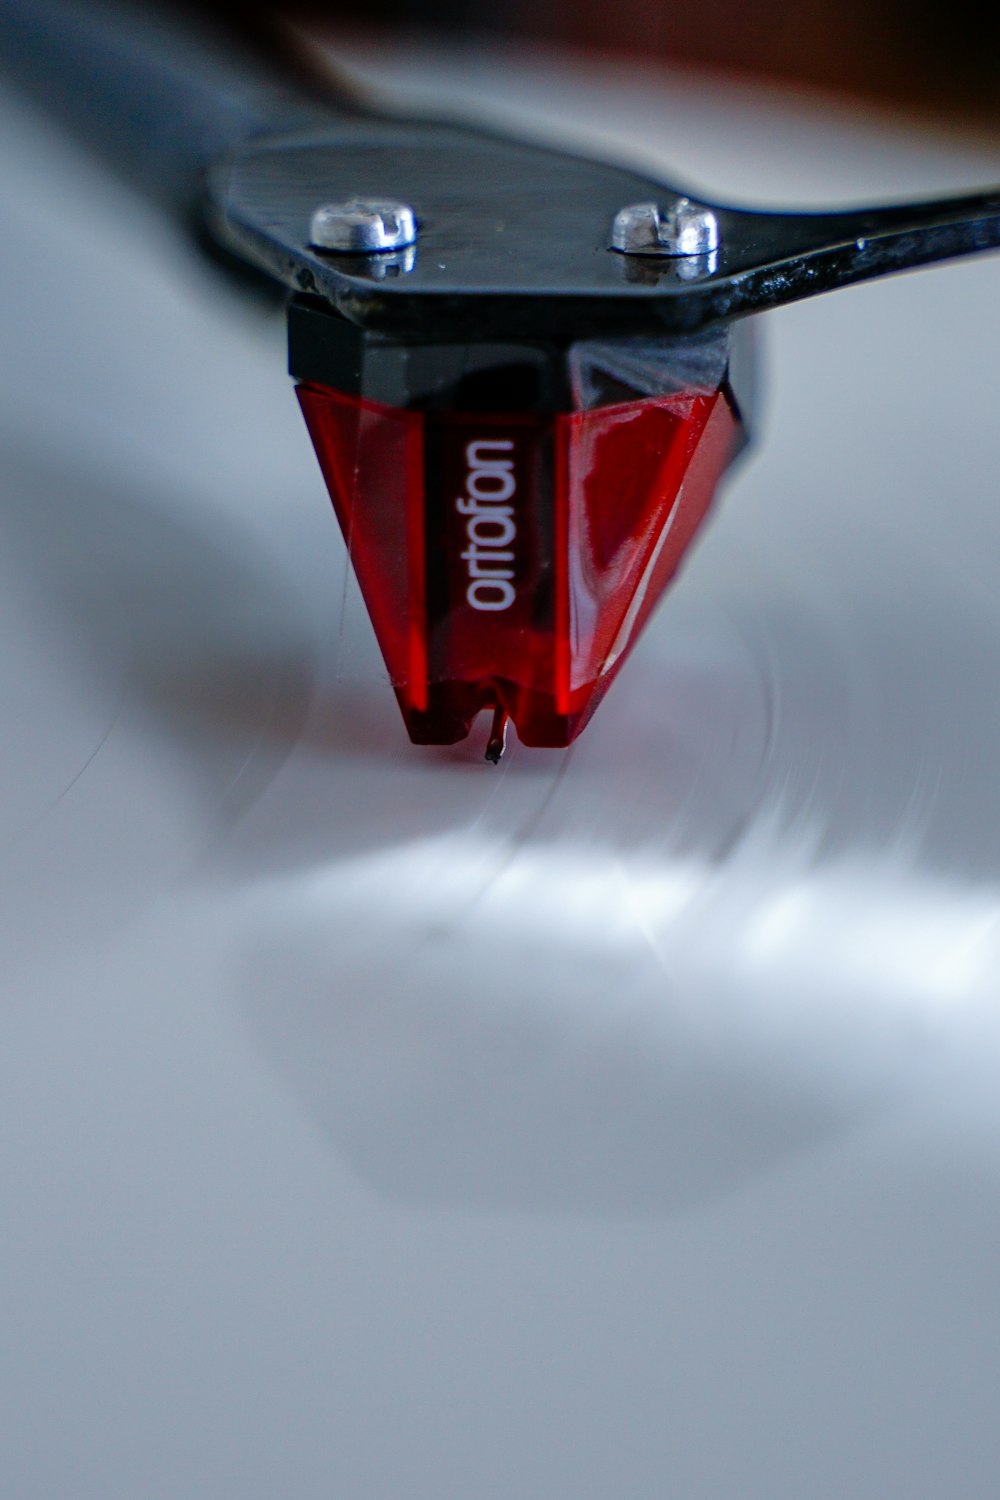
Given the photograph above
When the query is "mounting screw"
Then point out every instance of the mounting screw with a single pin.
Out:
(363, 226)
(683, 228)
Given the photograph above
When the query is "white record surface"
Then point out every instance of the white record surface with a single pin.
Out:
(621, 1123)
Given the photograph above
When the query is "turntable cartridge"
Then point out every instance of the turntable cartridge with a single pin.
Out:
(525, 374)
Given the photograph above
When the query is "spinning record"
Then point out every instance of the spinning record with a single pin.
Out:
(451, 1129)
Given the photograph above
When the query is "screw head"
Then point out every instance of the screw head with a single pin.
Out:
(363, 226)
(682, 228)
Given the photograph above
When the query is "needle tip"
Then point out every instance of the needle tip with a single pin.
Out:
(498, 736)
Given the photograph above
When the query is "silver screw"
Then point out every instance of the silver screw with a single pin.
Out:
(363, 226)
(683, 228)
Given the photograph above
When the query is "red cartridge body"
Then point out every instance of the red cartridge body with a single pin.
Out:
(510, 559)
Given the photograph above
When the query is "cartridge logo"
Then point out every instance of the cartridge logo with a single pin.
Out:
(487, 536)
(490, 526)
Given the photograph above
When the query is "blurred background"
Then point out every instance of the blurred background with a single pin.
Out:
(919, 54)
(622, 1124)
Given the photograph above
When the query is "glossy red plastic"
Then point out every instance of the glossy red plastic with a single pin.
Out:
(511, 560)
